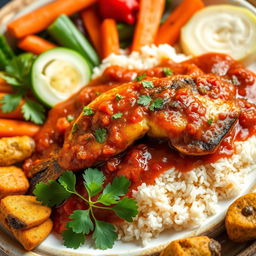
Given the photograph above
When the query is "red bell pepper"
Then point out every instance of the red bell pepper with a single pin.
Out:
(119, 10)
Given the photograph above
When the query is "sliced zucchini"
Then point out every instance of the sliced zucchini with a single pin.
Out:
(57, 74)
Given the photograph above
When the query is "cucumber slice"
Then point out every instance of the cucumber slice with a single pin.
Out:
(57, 74)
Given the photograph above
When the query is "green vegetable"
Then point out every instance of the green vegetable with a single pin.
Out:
(167, 71)
(83, 222)
(67, 35)
(5, 48)
(57, 74)
(119, 97)
(117, 115)
(147, 84)
(70, 118)
(3, 60)
(101, 135)
(88, 111)
(210, 121)
(144, 100)
(125, 31)
(156, 104)
(17, 73)
(74, 128)
(140, 78)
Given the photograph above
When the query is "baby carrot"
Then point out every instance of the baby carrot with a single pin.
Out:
(35, 44)
(109, 36)
(148, 21)
(92, 24)
(42, 17)
(169, 32)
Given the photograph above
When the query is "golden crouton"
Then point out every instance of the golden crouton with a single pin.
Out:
(15, 149)
(30, 238)
(193, 246)
(241, 219)
(23, 212)
(12, 181)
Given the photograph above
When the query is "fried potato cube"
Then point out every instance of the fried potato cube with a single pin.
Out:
(15, 149)
(30, 238)
(196, 246)
(23, 212)
(240, 219)
(12, 181)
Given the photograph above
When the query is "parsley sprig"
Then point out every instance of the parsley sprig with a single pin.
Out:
(83, 222)
(17, 74)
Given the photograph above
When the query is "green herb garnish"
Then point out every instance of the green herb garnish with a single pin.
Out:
(119, 97)
(88, 111)
(17, 74)
(74, 128)
(140, 78)
(156, 104)
(144, 100)
(210, 121)
(101, 135)
(167, 71)
(147, 84)
(83, 222)
(117, 115)
(70, 118)
(235, 81)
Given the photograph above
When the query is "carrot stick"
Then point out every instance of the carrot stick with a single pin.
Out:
(92, 24)
(16, 114)
(35, 44)
(10, 128)
(42, 17)
(148, 21)
(169, 32)
(109, 36)
(4, 87)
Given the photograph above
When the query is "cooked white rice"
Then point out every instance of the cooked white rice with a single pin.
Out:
(181, 200)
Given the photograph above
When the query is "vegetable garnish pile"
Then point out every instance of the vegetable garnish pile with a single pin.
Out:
(84, 222)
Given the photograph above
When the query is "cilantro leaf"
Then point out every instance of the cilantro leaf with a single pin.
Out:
(140, 78)
(210, 121)
(51, 194)
(70, 118)
(81, 222)
(88, 111)
(72, 239)
(119, 97)
(112, 192)
(33, 111)
(144, 100)
(11, 80)
(68, 181)
(117, 115)
(167, 71)
(156, 104)
(101, 135)
(104, 235)
(74, 128)
(10, 102)
(126, 209)
(147, 84)
(93, 181)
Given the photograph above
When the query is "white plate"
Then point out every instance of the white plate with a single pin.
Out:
(53, 245)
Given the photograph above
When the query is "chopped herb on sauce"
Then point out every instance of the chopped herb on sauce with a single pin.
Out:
(101, 135)
(119, 97)
(156, 104)
(210, 121)
(117, 115)
(144, 100)
(167, 71)
(88, 111)
(235, 80)
(147, 84)
(70, 118)
(75, 128)
(140, 78)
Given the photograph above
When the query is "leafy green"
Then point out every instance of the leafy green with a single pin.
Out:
(101, 135)
(88, 111)
(147, 84)
(74, 128)
(33, 111)
(210, 121)
(10, 102)
(117, 115)
(104, 235)
(83, 222)
(140, 78)
(119, 97)
(70, 118)
(156, 104)
(167, 71)
(144, 100)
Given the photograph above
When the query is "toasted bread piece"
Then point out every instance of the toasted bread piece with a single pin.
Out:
(23, 212)
(30, 238)
(12, 181)
(196, 246)
(241, 219)
(15, 149)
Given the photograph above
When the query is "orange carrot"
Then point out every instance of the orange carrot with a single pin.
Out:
(92, 24)
(35, 44)
(16, 114)
(42, 17)
(109, 36)
(4, 87)
(148, 22)
(169, 32)
(10, 128)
